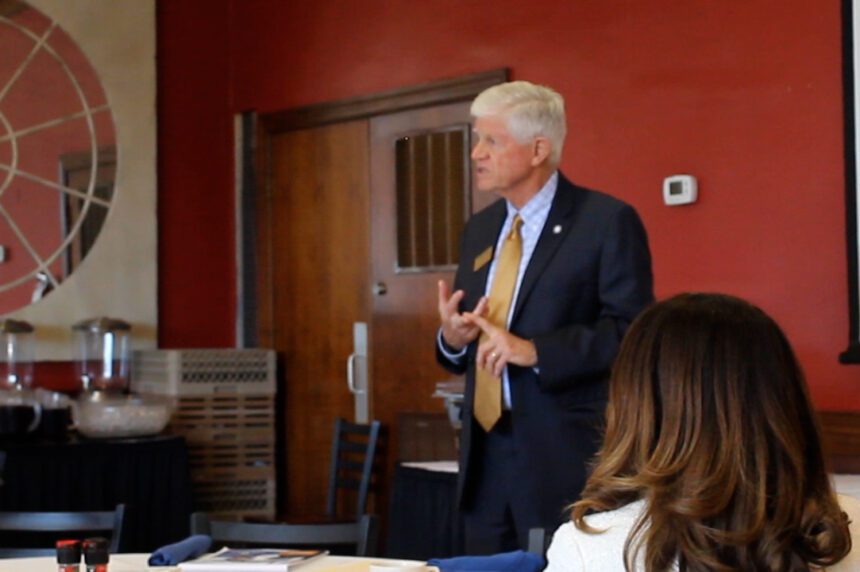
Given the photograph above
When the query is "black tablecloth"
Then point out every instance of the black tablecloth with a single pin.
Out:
(424, 521)
(150, 475)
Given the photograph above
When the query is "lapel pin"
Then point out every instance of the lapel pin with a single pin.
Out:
(556, 229)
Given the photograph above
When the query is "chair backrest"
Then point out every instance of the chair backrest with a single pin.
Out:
(539, 541)
(69, 524)
(362, 535)
(354, 450)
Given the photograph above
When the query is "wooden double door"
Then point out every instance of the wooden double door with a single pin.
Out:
(327, 251)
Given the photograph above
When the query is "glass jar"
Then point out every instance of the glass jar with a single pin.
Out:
(102, 349)
(16, 354)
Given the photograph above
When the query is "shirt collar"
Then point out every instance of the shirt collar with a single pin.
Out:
(539, 204)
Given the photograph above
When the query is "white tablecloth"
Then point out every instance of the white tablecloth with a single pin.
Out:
(137, 563)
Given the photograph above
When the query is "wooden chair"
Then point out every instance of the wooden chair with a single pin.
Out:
(353, 471)
(73, 524)
(362, 535)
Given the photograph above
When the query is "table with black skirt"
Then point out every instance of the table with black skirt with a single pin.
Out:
(424, 521)
(149, 474)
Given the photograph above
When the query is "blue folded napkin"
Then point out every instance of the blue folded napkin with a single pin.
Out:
(517, 561)
(173, 554)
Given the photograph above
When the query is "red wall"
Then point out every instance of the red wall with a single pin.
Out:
(744, 95)
(196, 251)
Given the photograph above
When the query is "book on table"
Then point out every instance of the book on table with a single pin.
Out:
(252, 560)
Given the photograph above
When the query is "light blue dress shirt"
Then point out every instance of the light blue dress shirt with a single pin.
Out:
(534, 214)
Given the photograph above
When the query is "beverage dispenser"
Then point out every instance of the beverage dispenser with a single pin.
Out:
(103, 351)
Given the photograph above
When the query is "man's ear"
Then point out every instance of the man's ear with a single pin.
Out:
(541, 150)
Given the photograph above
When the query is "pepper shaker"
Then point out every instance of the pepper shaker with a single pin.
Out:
(96, 554)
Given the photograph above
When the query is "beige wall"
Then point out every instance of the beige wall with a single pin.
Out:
(118, 277)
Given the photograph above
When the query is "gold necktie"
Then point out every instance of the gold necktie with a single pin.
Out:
(488, 388)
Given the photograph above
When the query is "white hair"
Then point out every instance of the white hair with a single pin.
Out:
(530, 110)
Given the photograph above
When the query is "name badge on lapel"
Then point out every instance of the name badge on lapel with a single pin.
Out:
(483, 258)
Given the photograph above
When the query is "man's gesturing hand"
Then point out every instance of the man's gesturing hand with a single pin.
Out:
(457, 331)
(501, 347)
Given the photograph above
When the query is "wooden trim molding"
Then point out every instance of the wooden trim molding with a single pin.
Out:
(840, 433)
(411, 97)
(261, 236)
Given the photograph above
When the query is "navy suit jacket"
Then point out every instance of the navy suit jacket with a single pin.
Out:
(588, 278)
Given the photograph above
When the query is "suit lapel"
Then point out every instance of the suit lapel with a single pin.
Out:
(486, 238)
(558, 223)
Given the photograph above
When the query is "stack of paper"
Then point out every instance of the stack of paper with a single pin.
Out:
(252, 560)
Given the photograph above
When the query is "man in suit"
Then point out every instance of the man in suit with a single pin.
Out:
(549, 278)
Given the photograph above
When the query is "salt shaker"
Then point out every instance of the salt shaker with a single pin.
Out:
(96, 554)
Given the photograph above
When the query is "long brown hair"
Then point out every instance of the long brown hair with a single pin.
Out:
(709, 422)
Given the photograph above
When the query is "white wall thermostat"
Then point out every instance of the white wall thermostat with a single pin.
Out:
(680, 190)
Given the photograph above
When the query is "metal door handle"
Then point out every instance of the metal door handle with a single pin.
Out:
(350, 374)
(380, 289)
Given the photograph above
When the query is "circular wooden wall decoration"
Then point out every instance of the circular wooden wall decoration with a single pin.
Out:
(57, 155)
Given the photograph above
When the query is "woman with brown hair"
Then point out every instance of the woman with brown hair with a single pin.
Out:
(712, 458)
